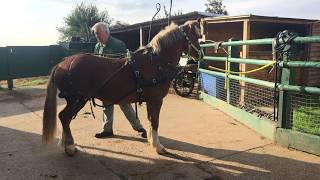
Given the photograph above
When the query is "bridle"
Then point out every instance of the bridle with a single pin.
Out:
(191, 45)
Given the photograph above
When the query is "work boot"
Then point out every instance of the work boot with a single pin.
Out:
(104, 134)
(142, 132)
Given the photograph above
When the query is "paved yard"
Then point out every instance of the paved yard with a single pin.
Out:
(204, 144)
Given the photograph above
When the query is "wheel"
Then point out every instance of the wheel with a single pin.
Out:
(183, 84)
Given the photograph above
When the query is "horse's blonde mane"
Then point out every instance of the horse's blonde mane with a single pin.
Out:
(166, 38)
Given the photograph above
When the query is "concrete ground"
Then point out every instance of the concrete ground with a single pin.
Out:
(203, 142)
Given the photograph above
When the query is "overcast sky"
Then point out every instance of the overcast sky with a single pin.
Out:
(34, 22)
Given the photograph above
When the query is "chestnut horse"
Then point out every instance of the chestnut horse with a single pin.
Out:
(144, 77)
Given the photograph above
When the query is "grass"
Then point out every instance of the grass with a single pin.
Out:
(35, 81)
(25, 82)
(307, 119)
(2, 86)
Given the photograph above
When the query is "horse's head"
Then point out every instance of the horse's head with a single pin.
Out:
(191, 32)
(174, 40)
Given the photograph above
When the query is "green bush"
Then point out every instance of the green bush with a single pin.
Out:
(307, 119)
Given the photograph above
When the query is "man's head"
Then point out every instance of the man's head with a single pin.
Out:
(102, 32)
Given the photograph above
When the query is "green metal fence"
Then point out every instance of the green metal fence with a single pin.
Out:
(290, 107)
(28, 61)
(3, 64)
(31, 61)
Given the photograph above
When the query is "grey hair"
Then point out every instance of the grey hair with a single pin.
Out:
(166, 38)
(102, 25)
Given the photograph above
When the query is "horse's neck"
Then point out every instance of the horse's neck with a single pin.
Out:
(171, 55)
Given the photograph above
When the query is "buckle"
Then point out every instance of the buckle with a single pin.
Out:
(139, 90)
(154, 81)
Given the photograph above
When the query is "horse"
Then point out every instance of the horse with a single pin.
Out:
(141, 76)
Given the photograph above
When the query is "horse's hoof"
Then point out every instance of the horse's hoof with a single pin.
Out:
(71, 150)
(162, 151)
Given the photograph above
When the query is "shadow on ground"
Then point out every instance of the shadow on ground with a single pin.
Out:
(29, 98)
(23, 157)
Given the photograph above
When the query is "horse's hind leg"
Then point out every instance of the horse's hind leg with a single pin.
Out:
(153, 108)
(74, 105)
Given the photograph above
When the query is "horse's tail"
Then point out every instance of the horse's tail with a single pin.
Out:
(50, 111)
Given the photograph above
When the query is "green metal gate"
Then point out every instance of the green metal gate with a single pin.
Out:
(3, 64)
(28, 61)
(283, 111)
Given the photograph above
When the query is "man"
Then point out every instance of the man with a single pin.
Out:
(110, 45)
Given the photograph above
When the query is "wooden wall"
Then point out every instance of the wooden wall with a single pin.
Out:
(314, 54)
(258, 30)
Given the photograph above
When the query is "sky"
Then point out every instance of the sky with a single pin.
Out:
(34, 22)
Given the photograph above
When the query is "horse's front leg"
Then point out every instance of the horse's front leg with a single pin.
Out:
(153, 108)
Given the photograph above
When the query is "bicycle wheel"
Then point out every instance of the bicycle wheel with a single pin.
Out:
(183, 84)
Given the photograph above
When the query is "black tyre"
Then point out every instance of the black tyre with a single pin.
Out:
(183, 84)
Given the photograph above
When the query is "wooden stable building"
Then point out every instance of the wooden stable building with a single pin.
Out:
(248, 27)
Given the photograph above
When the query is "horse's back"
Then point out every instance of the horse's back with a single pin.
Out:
(85, 72)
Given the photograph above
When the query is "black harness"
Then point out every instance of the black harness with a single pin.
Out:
(166, 74)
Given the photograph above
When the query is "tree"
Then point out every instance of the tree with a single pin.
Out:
(79, 22)
(119, 24)
(166, 13)
(216, 6)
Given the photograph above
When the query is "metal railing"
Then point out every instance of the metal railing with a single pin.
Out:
(285, 93)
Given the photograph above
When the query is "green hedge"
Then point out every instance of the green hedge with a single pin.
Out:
(307, 119)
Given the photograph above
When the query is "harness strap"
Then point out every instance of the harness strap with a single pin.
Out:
(110, 77)
(136, 107)
(92, 109)
(95, 104)
(137, 75)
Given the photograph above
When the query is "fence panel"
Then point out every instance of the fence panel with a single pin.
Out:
(3, 64)
(296, 106)
(32, 61)
(28, 61)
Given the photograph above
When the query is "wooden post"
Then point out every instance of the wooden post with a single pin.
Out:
(10, 84)
(245, 54)
(142, 42)
(204, 30)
